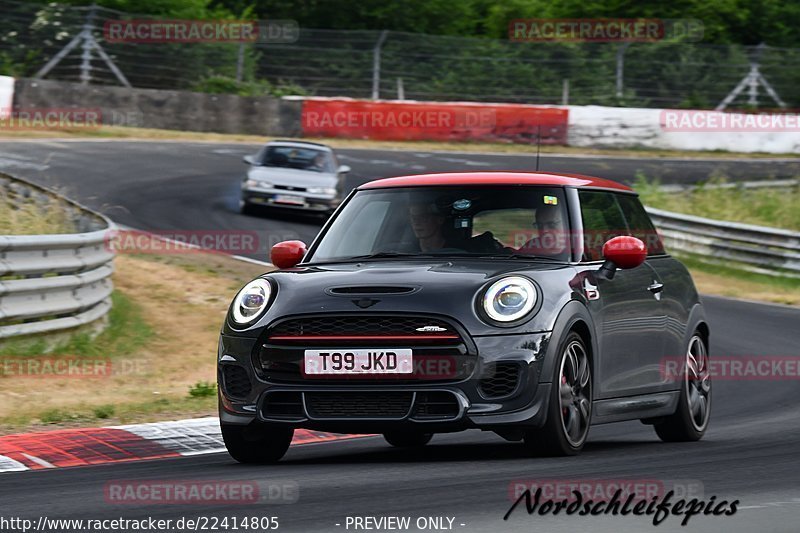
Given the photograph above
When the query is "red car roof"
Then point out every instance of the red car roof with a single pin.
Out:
(497, 178)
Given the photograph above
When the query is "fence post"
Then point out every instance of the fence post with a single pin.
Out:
(88, 43)
(376, 65)
(565, 92)
(752, 80)
(621, 68)
(86, 56)
(401, 93)
(240, 63)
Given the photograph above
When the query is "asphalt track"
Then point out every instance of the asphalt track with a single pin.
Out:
(750, 452)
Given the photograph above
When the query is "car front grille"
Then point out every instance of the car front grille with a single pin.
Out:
(325, 328)
(236, 381)
(358, 404)
(499, 379)
(441, 354)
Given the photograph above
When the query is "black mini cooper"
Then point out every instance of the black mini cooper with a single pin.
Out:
(529, 304)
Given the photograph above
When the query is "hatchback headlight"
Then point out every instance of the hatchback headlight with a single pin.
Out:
(251, 302)
(256, 184)
(322, 190)
(509, 299)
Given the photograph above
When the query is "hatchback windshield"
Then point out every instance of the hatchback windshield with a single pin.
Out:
(299, 158)
(449, 221)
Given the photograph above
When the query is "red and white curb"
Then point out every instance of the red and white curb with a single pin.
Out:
(92, 446)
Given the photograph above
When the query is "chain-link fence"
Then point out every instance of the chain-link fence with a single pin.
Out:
(368, 64)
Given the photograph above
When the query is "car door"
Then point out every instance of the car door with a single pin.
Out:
(629, 317)
(676, 291)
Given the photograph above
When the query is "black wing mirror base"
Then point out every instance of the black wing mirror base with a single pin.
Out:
(608, 270)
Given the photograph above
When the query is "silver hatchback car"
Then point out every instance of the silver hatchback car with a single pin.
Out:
(293, 175)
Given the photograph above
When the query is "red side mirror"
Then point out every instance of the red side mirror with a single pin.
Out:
(625, 252)
(287, 254)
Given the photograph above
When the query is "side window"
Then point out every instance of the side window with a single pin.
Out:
(639, 223)
(602, 220)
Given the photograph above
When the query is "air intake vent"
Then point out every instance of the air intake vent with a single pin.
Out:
(358, 404)
(500, 379)
(286, 405)
(237, 382)
(371, 289)
(435, 405)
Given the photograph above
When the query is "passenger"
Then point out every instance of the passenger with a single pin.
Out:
(551, 235)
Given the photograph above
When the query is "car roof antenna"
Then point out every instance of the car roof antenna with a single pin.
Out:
(538, 144)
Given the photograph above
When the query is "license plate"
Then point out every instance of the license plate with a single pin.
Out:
(358, 361)
(288, 199)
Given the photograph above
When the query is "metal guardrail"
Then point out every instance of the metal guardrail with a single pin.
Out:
(54, 282)
(769, 250)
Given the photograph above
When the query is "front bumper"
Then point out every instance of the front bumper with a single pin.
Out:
(484, 397)
(301, 200)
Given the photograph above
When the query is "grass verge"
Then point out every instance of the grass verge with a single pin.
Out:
(47, 216)
(125, 332)
(774, 207)
(731, 282)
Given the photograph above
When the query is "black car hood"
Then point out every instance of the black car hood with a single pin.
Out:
(448, 287)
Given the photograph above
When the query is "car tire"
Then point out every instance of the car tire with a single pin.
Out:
(256, 443)
(407, 439)
(569, 410)
(246, 208)
(690, 420)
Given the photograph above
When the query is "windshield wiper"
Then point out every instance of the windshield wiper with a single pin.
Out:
(381, 255)
(511, 255)
(446, 255)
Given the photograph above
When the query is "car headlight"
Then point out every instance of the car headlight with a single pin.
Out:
(255, 184)
(251, 301)
(321, 190)
(509, 299)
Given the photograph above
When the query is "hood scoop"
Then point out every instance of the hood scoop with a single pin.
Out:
(361, 290)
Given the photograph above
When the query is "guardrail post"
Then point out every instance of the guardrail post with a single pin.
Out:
(376, 65)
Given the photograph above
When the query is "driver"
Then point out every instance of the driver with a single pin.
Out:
(318, 163)
(427, 223)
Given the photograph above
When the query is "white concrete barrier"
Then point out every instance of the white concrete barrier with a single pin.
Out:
(624, 127)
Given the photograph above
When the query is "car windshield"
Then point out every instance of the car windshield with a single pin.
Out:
(298, 158)
(513, 221)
